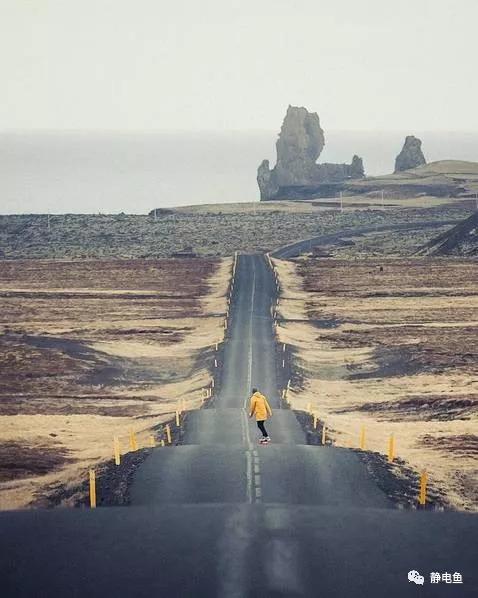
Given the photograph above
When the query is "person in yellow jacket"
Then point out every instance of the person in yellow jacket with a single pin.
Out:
(262, 410)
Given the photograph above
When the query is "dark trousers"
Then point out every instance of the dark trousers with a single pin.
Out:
(260, 425)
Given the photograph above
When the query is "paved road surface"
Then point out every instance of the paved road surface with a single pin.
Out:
(222, 460)
(295, 249)
(222, 516)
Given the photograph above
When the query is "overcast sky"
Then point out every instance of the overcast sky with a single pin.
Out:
(227, 64)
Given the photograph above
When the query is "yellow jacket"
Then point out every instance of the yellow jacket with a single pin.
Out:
(260, 407)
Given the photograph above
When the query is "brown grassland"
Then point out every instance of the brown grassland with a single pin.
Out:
(93, 349)
(391, 345)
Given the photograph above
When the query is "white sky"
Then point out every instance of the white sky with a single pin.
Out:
(219, 64)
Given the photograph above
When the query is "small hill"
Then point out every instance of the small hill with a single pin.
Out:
(445, 178)
(462, 240)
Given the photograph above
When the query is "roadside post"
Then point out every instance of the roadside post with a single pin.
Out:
(422, 498)
(168, 433)
(324, 428)
(391, 448)
(362, 438)
(133, 443)
(92, 489)
(116, 448)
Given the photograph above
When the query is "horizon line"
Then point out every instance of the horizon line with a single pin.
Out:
(153, 131)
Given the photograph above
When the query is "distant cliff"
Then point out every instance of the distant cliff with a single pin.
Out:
(296, 173)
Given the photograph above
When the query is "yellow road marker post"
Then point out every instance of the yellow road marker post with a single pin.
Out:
(116, 449)
(324, 428)
(212, 383)
(216, 346)
(315, 421)
(133, 443)
(92, 489)
(162, 442)
(391, 449)
(362, 438)
(422, 498)
(283, 348)
(168, 433)
(177, 419)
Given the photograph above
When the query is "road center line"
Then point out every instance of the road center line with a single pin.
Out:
(249, 476)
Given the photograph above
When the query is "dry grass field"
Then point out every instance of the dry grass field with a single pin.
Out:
(391, 345)
(93, 349)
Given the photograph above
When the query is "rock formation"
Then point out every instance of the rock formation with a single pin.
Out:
(301, 140)
(411, 155)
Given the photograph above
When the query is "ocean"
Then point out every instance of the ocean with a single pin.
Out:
(112, 172)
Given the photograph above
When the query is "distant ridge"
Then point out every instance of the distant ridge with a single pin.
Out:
(444, 178)
(462, 240)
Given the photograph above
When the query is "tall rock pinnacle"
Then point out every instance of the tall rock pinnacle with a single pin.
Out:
(411, 155)
(300, 143)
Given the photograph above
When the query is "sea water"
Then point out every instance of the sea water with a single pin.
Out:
(112, 172)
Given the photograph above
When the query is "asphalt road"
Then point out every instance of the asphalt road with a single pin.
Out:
(295, 249)
(221, 516)
(221, 460)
